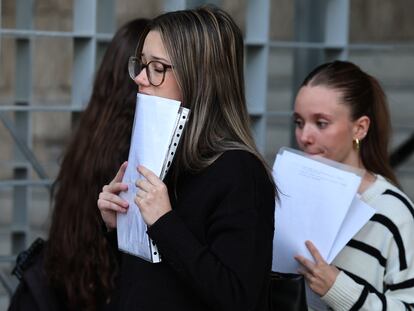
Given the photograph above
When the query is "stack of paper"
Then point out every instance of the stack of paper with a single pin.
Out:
(318, 202)
(158, 125)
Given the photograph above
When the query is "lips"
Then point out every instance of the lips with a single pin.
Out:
(314, 152)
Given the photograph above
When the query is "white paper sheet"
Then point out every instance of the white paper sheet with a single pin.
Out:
(154, 124)
(358, 215)
(315, 204)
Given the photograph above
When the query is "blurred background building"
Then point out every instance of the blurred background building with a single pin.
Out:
(49, 50)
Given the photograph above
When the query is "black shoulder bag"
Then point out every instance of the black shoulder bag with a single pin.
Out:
(287, 292)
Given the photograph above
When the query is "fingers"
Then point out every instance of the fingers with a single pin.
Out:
(120, 173)
(111, 202)
(307, 274)
(319, 274)
(115, 188)
(309, 265)
(144, 185)
(149, 175)
(150, 186)
(139, 200)
(314, 252)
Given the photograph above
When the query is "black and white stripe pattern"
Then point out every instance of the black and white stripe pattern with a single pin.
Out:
(378, 262)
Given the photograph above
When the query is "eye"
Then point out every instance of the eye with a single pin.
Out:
(157, 67)
(322, 124)
(298, 122)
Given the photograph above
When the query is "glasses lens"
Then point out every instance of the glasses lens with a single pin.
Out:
(134, 67)
(156, 72)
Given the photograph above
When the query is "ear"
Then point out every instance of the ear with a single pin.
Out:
(361, 127)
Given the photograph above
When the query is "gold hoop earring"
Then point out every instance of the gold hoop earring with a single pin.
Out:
(355, 141)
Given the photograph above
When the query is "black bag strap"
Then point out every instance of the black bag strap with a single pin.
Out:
(34, 285)
(26, 258)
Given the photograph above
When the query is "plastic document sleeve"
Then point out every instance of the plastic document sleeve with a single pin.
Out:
(158, 127)
(182, 120)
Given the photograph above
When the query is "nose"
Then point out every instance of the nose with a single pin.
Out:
(305, 135)
(141, 79)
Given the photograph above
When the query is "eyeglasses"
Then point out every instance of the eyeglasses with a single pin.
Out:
(155, 70)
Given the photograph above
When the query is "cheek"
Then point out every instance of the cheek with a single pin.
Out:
(169, 93)
(177, 94)
(338, 147)
(170, 90)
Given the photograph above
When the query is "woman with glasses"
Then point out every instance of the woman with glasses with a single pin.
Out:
(212, 216)
(341, 113)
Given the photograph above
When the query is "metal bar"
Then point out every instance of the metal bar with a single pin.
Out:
(18, 33)
(24, 14)
(323, 45)
(25, 34)
(174, 5)
(402, 152)
(105, 19)
(84, 16)
(309, 18)
(7, 259)
(25, 182)
(23, 147)
(7, 284)
(258, 20)
(68, 108)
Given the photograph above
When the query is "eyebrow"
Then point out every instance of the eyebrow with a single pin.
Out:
(322, 115)
(296, 115)
(157, 58)
(316, 115)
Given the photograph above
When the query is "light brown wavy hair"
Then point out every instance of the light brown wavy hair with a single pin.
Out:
(206, 50)
(79, 261)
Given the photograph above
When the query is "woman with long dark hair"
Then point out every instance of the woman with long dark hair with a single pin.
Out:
(79, 266)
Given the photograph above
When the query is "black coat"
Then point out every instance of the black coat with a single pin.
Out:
(33, 292)
(216, 243)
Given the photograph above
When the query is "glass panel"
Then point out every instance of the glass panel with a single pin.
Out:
(52, 70)
(280, 79)
(282, 19)
(381, 21)
(277, 136)
(53, 15)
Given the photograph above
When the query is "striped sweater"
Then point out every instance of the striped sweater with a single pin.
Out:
(377, 265)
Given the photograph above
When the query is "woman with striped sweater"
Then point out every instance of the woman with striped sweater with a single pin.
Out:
(341, 113)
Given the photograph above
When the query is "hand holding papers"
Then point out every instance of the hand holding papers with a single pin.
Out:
(157, 129)
(318, 202)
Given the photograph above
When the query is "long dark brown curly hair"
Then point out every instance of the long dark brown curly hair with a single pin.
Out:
(79, 262)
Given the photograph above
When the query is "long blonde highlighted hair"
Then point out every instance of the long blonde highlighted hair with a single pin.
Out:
(206, 49)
